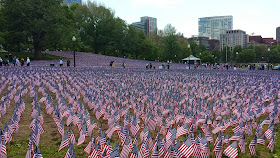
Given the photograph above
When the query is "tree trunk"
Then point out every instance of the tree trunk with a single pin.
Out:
(38, 51)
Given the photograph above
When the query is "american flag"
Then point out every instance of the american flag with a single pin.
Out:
(36, 136)
(144, 150)
(253, 146)
(144, 133)
(134, 127)
(134, 152)
(30, 147)
(183, 130)
(269, 132)
(235, 137)
(205, 149)
(238, 128)
(37, 153)
(155, 153)
(197, 148)
(241, 143)
(126, 147)
(115, 153)
(3, 151)
(64, 143)
(83, 134)
(271, 142)
(102, 140)
(231, 151)
(87, 149)
(116, 127)
(91, 127)
(261, 140)
(71, 136)
(186, 149)
(93, 150)
(60, 128)
(108, 147)
(218, 149)
(70, 152)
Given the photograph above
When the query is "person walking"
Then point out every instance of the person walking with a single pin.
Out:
(28, 61)
(22, 62)
(123, 64)
(17, 62)
(1, 61)
(60, 62)
(68, 63)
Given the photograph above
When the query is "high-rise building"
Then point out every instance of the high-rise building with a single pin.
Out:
(278, 35)
(200, 40)
(69, 2)
(213, 27)
(234, 38)
(148, 23)
(139, 25)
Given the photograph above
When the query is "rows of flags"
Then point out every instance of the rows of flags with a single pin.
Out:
(201, 108)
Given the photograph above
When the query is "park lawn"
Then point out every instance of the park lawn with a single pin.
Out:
(50, 140)
(24, 55)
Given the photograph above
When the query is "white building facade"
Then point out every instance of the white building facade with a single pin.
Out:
(213, 27)
(234, 38)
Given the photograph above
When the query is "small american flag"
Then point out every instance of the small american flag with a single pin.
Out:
(186, 149)
(70, 153)
(253, 146)
(261, 140)
(37, 153)
(270, 145)
(64, 142)
(231, 151)
(115, 153)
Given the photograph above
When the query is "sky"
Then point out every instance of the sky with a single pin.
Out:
(258, 17)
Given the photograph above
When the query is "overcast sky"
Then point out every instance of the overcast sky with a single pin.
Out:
(260, 17)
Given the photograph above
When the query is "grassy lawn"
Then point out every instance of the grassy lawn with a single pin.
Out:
(50, 140)
(24, 55)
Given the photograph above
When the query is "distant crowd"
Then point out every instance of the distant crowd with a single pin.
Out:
(14, 60)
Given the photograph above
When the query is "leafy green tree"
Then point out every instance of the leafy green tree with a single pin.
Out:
(207, 57)
(172, 46)
(61, 37)
(30, 21)
(217, 55)
(235, 52)
(274, 55)
(246, 56)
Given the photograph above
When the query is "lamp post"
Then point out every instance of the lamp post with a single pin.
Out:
(226, 49)
(268, 50)
(189, 57)
(236, 56)
(74, 39)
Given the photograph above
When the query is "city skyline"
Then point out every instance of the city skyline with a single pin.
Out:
(258, 17)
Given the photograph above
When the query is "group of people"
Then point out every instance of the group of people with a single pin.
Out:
(112, 64)
(15, 60)
(61, 62)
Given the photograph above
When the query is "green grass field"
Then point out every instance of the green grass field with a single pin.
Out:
(50, 140)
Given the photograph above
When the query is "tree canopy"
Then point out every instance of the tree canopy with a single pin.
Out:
(48, 24)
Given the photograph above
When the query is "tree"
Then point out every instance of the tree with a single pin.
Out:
(206, 57)
(274, 55)
(217, 55)
(236, 50)
(246, 56)
(61, 37)
(172, 47)
(30, 21)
